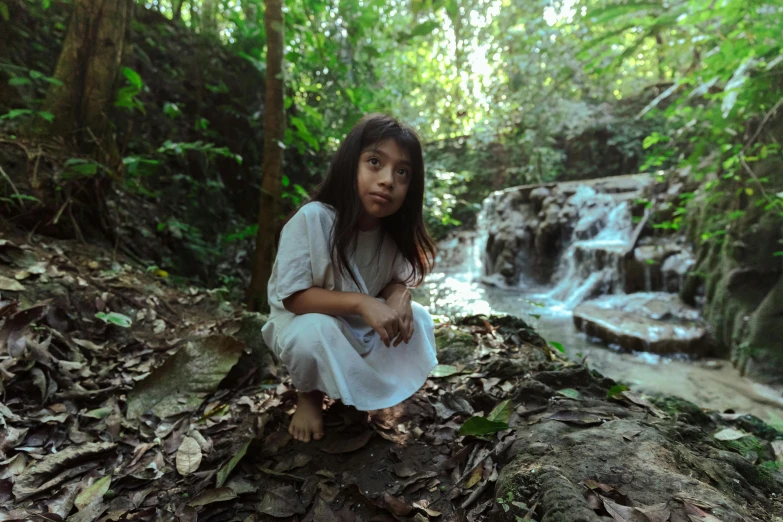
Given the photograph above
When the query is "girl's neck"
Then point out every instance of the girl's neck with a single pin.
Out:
(367, 222)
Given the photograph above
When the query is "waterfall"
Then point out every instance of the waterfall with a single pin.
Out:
(592, 263)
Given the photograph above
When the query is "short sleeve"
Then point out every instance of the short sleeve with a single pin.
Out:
(293, 264)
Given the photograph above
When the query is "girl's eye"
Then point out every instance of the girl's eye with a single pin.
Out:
(374, 162)
(402, 172)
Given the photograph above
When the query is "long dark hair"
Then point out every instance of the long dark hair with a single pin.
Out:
(339, 190)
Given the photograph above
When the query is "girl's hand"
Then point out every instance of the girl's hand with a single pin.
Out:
(381, 318)
(399, 300)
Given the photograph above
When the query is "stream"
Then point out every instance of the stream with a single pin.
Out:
(457, 287)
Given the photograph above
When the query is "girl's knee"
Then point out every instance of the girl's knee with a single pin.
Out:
(307, 331)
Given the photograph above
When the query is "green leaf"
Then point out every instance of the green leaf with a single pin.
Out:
(226, 470)
(19, 80)
(444, 370)
(424, 28)
(557, 346)
(115, 318)
(617, 389)
(570, 392)
(100, 413)
(479, 426)
(501, 413)
(4, 12)
(48, 116)
(93, 493)
(133, 77)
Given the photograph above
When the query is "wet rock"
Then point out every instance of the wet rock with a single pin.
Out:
(636, 458)
(659, 323)
(453, 345)
(530, 227)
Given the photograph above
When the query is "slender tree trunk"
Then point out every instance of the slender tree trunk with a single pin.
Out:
(274, 132)
(177, 14)
(87, 69)
(209, 16)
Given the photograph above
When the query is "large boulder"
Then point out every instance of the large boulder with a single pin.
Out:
(650, 322)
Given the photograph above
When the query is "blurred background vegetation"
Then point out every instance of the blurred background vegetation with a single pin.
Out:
(503, 92)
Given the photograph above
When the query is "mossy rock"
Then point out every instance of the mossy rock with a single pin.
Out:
(507, 326)
(454, 345)
(680, 408)
(250, 334)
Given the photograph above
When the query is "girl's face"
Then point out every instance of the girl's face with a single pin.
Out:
(383, 179)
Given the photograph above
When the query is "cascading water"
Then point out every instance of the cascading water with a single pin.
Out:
(592, 262)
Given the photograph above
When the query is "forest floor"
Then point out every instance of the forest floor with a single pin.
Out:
(127, 398)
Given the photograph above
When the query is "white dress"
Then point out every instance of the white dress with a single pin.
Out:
(342, 356)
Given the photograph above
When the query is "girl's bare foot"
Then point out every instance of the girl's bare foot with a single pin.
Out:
(308, 421)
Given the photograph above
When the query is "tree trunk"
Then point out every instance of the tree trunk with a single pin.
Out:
(209, 9)
(177, 14)
(274, 132)
(87, 69)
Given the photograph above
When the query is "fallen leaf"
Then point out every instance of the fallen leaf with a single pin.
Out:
(474, 477)
(93, 493)
(404, 469)
(501, 412)
(181, 383)
(395, 505)
(346, 445)
(276, 441)
(33, 479)
(213, 495)
(730, 434)
(293, 462)
(423, 505)
(188, 456)
(616, 390)
(570, 392)
(622, 513)
(115, 318)
(10, 285)
(281, 502)
(643, 402)
(323, 513)
(444, 370)
(576, 417)
(657, 512)
(226, 470)
(479, 426)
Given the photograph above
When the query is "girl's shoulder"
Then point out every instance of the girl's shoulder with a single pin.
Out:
(316, 209)
(313, 214)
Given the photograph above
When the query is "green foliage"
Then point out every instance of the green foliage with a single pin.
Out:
(127, 95)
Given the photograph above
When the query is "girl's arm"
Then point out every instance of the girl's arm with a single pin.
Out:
(381, 318)
(393, 288)
(317, 300)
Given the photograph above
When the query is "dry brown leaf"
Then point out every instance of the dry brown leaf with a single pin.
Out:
(281, 502)
(10, 285)
(474, 477)
(188, 456)
(577, 417)
(59, 465)
(622, 513)
(276, 441)
(213, 495)
(395, 505)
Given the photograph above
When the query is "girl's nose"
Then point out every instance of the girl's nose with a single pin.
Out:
(386, 177)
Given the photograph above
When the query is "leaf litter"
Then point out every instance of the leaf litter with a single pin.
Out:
(142, 413)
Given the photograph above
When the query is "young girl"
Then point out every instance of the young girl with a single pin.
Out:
(341, 319)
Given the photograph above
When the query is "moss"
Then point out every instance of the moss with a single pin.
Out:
(681, 409)
(453, 345)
